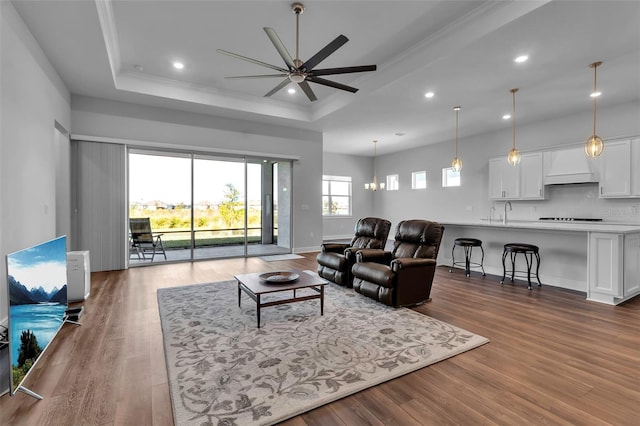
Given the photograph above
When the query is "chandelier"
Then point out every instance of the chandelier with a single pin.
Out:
(374, 185)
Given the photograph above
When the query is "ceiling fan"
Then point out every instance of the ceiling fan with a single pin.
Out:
(298, 71)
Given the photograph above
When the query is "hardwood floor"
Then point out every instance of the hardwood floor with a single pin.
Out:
(554, 358)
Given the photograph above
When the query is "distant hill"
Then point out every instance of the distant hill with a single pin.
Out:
(18, 293)
(60, 296)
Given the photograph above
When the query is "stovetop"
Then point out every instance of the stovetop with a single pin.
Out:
(571, 219)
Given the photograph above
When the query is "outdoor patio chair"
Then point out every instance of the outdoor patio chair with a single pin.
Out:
(143, 240)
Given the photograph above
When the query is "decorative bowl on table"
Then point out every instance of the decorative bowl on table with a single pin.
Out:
(279, 277)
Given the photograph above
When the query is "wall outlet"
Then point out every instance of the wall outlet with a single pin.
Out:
(469, 208)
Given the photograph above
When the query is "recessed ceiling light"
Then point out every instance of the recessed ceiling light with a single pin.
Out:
(520, 59)
(429, 95)
(291, 91)
(178, 65)
(400, 134)
(506, 116)
(595, 94)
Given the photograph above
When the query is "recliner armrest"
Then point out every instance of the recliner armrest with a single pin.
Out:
(373, 255)
(334, 247)
(350, 253)
(410, 262)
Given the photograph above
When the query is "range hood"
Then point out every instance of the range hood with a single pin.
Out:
(570, 165)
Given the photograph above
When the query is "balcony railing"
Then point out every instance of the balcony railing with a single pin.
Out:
(181, 239)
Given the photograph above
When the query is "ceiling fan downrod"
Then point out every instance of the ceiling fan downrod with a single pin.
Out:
(297, 76)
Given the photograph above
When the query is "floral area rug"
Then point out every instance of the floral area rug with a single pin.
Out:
(223, 370)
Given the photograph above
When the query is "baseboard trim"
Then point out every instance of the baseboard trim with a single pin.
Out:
(298, 250)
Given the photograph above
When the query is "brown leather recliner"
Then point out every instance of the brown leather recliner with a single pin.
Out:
(335, 259)
(402, 277)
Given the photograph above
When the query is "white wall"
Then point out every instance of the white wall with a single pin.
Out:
(361, 171)
(471, 201)
(137, 124)
(34, 98)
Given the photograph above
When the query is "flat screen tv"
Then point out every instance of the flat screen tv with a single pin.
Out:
(37, 285)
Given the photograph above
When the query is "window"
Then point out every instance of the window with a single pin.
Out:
(450, 177)
(336, 195)
(392, 183)
(419, 180)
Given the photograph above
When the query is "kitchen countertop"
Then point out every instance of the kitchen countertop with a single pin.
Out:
(576, 226)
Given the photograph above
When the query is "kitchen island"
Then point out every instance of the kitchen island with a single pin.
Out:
(600, 259)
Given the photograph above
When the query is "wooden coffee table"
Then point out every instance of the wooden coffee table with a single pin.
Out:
(254, 287)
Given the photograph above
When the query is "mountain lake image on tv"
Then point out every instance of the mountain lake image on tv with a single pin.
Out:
(37, 283)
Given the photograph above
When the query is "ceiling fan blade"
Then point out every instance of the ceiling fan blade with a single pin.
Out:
(333, 84)
(307, 91)
(253, 61)
(271, 33)
(282, 84)
(343, 70)
(259, 76)
(325, 52)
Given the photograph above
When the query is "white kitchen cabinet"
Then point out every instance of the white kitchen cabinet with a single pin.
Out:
(615, 170)
(521, 182)
(531, 177)
(504, 180)
(614, 271)
(635, 169)
(631, 285)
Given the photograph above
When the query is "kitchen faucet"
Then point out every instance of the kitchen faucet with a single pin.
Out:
(504, 218)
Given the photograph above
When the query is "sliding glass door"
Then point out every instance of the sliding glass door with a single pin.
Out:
(206, 206)
(219, 207)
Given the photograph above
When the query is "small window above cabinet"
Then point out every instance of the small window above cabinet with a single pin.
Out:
(521, 182)
(618, 179)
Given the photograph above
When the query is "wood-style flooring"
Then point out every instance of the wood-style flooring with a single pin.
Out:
(554, 358)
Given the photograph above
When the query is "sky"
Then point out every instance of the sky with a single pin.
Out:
(168, 179)
(42, 265)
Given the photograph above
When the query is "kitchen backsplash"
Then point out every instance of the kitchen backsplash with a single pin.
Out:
(576, 200)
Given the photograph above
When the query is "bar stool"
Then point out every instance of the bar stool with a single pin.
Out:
(467, 244)
(529, 251)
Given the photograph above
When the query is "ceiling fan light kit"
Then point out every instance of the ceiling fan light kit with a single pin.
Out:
(298, 71)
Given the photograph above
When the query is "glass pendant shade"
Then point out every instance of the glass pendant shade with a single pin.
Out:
(456, 164)
(513, 157)
(594, 145)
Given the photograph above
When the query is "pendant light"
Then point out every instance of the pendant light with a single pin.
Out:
(374, 184)
(513, 157)
(456, 164)
(594, 145)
